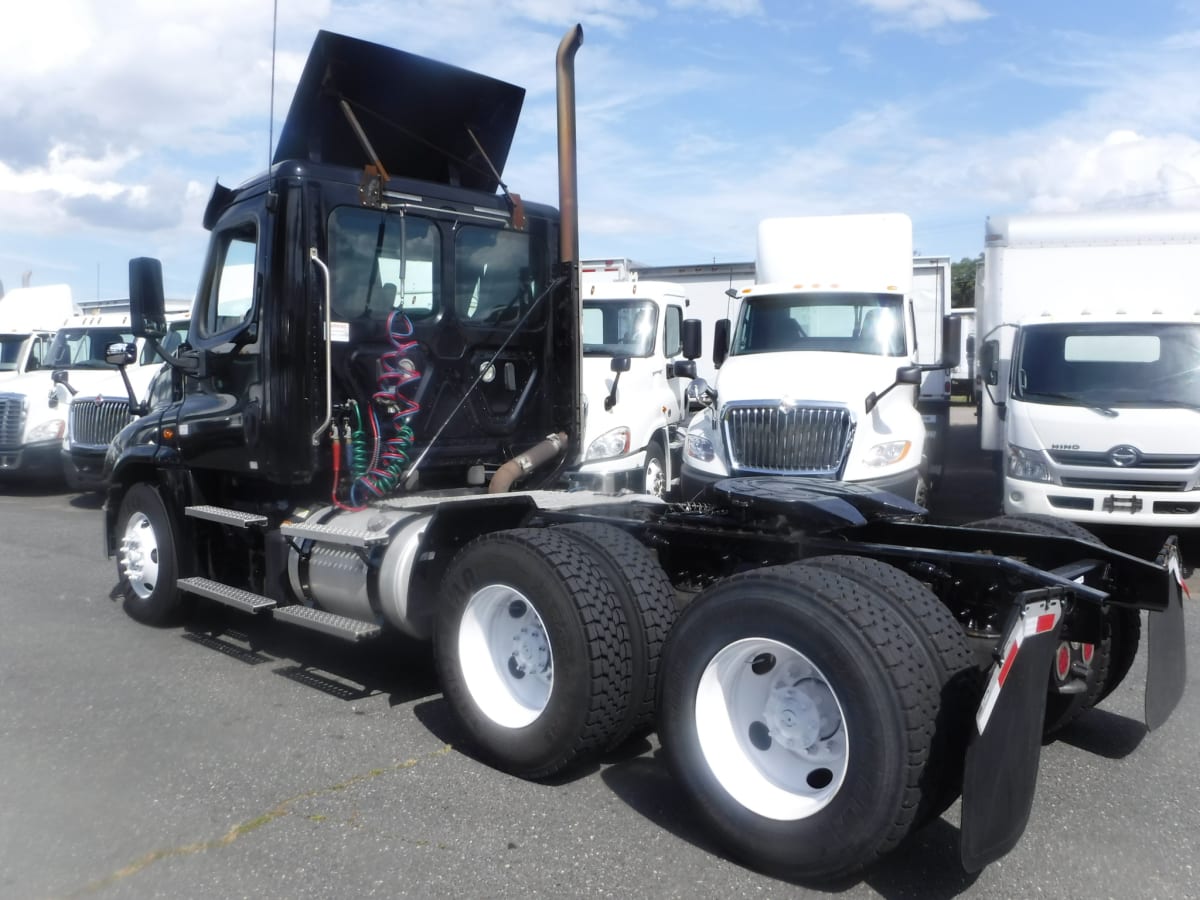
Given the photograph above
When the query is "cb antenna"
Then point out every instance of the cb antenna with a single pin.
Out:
(271, 114)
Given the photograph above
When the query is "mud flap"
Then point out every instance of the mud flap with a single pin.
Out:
(1166, 663)
(1002, 758)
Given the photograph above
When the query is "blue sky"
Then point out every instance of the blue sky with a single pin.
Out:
(697, 117)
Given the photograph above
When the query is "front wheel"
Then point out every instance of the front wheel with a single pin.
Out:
(654, 473)
(532, 650)
(795, 715)
(147, 561)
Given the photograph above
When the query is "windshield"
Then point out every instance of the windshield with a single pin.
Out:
(619, 328)
(1110, 364)
(10, 351)
(84, 348)
(839, 322)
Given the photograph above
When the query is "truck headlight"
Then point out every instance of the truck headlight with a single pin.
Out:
(1028, 465)
(611, 443)
(699, 447)
(47, 431)
(887, 454)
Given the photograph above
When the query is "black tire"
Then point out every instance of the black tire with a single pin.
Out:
(572, 643)
(1063, 709)
(654, 471)
(960, 683)
(147, 557)
(1125, 633)
(648, 601)
(826, 808)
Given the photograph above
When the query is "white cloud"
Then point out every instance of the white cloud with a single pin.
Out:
(923, 15)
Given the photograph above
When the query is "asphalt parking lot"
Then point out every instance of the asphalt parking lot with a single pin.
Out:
(229, 759)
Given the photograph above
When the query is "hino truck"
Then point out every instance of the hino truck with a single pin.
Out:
(378, 438)
(1089, 330)
(821, 374)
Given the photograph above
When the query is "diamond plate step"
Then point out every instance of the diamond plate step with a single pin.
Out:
(330, 534)
(226, 516)
(339, 626)
(223, 593)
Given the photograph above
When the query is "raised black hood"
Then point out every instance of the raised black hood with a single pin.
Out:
(414, 111)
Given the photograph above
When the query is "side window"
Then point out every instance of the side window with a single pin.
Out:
(37, 353)
(673, 332)
(230, 298)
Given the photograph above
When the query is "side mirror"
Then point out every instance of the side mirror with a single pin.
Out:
(693, 338)
(121, 354)
(147, 316)
(908, 375)
(951, 341)
(60, 376)
(721, 342)
(682, 368)
(619, 364)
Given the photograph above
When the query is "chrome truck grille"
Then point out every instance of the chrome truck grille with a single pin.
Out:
(12, 419)
(779, 439)
(95, 422)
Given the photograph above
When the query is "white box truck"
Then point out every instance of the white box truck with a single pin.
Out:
(1089, 337)
(962, 376)
(821, 371)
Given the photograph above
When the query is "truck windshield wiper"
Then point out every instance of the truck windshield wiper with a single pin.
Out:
(1074, 399)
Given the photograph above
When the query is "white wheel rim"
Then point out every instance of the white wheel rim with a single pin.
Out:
(655, 478)
(771, 729)
(505, 655)
(138, 555)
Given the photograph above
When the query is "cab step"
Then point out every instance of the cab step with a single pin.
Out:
(224, 593)
(330, 623)
(330, 534)
(233, 517)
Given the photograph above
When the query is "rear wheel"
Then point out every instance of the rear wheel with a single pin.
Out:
(796, 716)
(1081, 672)
(959, 682)
(647, 600)
(532, 650)
(147, 561)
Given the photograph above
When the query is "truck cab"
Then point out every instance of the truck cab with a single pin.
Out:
(95, 415)
(634, 377)
(29, 318)
(33, 406)
(821, 370)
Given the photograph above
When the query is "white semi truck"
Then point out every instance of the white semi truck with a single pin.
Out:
(634, 371)
(29, 318)
(34, 406)
(821, 373)
(1089, 331)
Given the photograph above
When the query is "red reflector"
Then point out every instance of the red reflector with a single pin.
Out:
(1008, 663)
(1045, 623)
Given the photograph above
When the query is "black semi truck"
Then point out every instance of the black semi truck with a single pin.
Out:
(375, 425)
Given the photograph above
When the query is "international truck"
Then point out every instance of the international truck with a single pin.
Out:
(97, 413)
(820, 378)
(379, 441)
(1089, 330)
(634, 371)
(29, 318)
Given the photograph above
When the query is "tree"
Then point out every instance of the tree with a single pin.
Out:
(962, 281)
